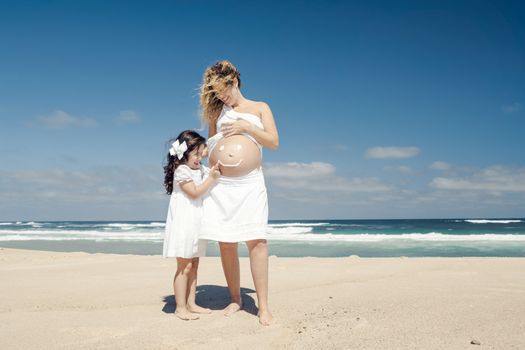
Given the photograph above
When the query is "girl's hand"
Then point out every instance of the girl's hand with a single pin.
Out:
(236, 128)
(215, 173)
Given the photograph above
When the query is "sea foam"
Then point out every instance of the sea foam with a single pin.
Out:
(366, 237)
(472, 221)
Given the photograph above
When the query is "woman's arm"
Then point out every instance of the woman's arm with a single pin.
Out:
(269, 137)
(212, 130)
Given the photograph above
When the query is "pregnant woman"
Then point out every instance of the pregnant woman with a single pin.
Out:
(236, 209)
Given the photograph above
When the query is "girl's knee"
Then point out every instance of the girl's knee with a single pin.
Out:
(184, 265)
(194, 263)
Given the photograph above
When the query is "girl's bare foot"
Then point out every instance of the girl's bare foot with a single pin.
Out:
(265, 318)
(198, 309)
(232, 308)
(186, 315)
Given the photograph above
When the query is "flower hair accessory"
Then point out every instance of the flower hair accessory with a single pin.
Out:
(178, 149)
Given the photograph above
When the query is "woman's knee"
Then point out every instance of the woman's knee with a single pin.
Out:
(257, 245)
(228, 247)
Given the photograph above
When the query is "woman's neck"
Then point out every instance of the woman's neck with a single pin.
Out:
(240, 101)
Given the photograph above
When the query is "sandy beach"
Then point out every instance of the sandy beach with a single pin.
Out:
(53, 300)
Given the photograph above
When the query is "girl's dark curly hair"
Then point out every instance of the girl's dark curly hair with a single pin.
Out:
(193, 141)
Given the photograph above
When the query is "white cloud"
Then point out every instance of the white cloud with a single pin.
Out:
(61, 120)
(295, 170)
(296, 191)
(440, 166)
(399, 168)
(340, 147)
(392, 152)
(318, 176)
(493, 179)
(515, 107)
(128, 117)
(98, 193)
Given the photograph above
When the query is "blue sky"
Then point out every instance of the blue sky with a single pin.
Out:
(385, 109)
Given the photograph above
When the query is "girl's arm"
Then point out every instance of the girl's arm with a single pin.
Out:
(269, 137)
(196, 191)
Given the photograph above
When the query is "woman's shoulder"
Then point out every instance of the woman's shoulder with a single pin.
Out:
(260, 106)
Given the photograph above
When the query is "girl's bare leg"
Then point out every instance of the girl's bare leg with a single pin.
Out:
(230, 265)
(180, 286)
(259, 266)
(192, 290)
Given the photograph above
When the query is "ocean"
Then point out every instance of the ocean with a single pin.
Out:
(289, 238)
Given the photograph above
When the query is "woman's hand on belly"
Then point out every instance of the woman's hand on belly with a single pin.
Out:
(236, 128)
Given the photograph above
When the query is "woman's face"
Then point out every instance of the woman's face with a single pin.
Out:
(229, 95)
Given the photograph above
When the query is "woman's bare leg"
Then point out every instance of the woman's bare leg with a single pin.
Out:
(180, 289)
(230, 265)
(192, 290)
(259, 265)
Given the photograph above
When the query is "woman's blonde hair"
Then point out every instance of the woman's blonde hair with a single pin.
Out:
(217, 78)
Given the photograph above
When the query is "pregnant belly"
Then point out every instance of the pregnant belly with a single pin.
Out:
(237, 155)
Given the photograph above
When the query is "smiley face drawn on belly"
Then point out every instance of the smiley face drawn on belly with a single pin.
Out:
(236, 155)
(231, 154)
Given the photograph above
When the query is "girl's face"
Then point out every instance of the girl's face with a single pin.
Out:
(195, 157)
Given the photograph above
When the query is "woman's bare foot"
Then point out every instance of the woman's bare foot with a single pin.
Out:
(198, 309)
(232, 308)
(186, 315)
(265, 318)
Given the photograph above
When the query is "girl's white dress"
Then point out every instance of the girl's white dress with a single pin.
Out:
(184, 217)
(235, 208)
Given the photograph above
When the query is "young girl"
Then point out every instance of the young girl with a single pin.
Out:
(186, 180)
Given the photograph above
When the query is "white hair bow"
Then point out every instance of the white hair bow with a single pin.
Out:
(178, 149)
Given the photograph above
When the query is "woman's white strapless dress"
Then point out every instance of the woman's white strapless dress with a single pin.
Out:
(236, 208)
